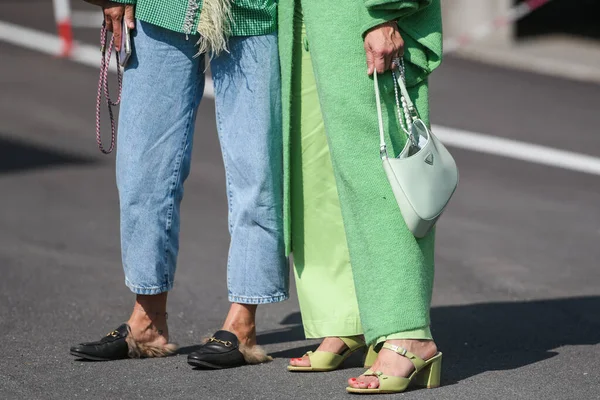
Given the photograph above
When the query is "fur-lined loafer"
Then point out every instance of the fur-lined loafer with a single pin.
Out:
(223, 350)
(117, 345)
(111, 347)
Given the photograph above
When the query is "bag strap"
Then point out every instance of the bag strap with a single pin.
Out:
(400, 80)
(382, 145)
(410, 112)
(103, 89)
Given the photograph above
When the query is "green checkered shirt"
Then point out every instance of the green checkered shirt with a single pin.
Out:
(250, 17)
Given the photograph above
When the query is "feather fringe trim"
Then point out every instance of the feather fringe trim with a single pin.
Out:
(214, 26)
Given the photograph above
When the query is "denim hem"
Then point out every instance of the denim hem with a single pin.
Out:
(258, 300)
(148, 290)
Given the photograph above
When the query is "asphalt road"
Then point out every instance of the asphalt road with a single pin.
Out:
(517, 291)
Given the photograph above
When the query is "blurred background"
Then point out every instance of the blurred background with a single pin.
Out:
(517, 288)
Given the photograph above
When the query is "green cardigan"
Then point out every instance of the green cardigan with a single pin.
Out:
(420, 23)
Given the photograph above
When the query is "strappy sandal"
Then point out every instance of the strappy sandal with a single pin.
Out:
(426, 374)
(325, 361)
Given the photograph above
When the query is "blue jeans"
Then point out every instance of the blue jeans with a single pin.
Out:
(162, 88)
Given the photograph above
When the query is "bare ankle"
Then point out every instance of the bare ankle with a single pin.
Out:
(423, 348)
(245, 333)
(241, 320)
(148, 320)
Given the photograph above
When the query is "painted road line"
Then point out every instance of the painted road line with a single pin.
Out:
(477, 142)
(51, 44)
(517, 150)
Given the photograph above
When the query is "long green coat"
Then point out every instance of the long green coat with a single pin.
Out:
(393, 271)
(421, 26)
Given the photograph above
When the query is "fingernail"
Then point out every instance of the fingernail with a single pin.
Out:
(353, 379)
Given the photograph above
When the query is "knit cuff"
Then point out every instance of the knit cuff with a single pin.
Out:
(131, 2)
(376, 18)
(414, 334)
(396, 4)
(377, 12)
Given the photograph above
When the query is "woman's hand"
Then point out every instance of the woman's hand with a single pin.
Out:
(383, 44)
(113, 16)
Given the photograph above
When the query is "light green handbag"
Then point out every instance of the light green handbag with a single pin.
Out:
(424, 176)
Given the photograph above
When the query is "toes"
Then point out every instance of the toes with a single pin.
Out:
(363, 382)
(300, 362)
(363, 385)
(294, 361)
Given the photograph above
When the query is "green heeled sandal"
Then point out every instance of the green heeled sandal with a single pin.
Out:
(324, 361)
(370, 357)
(426, 374)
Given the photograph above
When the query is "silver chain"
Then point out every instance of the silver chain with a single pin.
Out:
(406, 119)
(400, 65)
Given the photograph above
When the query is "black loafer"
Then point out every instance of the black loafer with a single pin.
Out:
(111, 347)
(220, 351)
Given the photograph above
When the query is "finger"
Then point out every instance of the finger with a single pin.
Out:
(400, 51)
(398, 54)
(130, 17)
(116, 21)
(400, 46)
(108, 22)
(389, 59)
(370, 62)
(379, 62)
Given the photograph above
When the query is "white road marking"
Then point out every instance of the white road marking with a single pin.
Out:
(518, 150)
(50, 44)
(29, 38)
(90, 56)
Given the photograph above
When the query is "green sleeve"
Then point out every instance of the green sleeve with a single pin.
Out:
(396, 4)
(125, 1)
(420, 23)
(377, 12)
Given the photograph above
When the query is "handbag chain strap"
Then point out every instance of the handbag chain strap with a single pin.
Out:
(407, 108)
